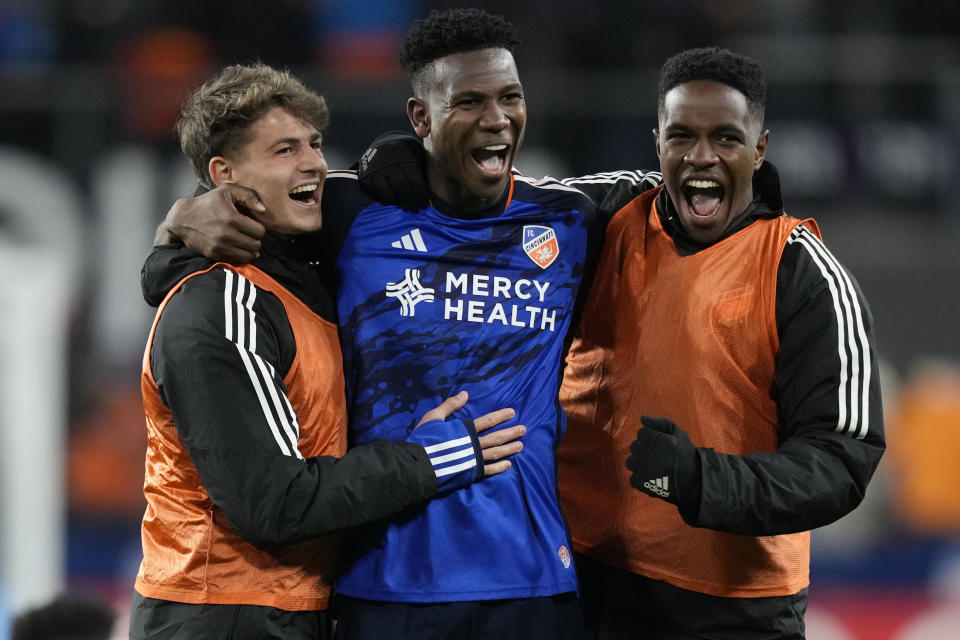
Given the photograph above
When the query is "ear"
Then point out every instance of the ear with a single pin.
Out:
(656, 140)
(760, 152)
(419, 116)
(220, 169)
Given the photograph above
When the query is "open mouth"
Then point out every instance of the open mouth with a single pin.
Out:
(305, 194)
(491, 159)
(703, 197)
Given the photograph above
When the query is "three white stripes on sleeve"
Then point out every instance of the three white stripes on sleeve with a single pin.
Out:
(241, 329)
(464, 448)
(853, 349)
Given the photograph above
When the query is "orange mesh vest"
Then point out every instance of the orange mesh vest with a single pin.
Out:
(694, 339)
(190, 553)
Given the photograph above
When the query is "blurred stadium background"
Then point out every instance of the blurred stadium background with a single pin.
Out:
(864, 108)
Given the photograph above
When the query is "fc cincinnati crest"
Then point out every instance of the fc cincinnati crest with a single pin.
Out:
(540, 244)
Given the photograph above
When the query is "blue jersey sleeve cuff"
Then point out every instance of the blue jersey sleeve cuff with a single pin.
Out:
(454, 451)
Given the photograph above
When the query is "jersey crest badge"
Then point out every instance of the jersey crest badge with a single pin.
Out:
(564, 556)
(540, 244)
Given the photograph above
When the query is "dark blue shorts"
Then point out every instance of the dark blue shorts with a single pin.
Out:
(549, 618)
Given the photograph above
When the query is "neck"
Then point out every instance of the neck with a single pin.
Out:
(455, 194)
(490, 209)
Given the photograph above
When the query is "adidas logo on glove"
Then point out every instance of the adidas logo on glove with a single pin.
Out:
(659, 486)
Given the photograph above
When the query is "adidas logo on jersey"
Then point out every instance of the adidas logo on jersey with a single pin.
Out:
(412, 241)
(659, 486)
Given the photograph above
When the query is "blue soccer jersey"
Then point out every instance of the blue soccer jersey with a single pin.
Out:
(429, 305)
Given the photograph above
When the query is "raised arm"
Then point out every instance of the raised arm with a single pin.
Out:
(392, 171)
(612, 190)
(220, 224)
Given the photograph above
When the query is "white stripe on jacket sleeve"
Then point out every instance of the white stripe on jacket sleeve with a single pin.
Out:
(853, 349)
(241, 329)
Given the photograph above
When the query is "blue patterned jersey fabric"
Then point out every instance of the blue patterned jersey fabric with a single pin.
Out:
(431, 304)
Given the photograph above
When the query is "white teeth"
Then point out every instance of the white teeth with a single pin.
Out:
(495, 147)
(702, 184)
(305, 188)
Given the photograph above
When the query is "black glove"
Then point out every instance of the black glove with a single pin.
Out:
(664, 464)
(393, 171)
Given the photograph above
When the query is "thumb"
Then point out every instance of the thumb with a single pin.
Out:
(245, 197)
(445, 409)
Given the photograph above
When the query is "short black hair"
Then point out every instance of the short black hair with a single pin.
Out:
(720, 65)
(454, 31)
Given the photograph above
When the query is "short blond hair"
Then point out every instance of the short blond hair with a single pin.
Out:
(216, 117)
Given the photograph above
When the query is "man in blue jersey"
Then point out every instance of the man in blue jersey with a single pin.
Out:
(475, 291)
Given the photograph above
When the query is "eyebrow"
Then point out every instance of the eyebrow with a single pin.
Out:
(314, 137)
(719, 128)
(513, 87)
